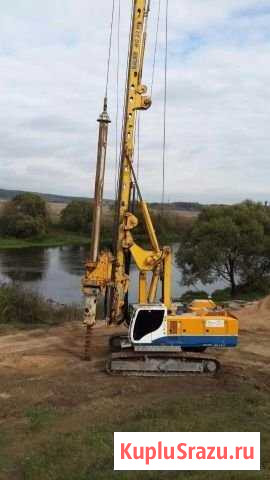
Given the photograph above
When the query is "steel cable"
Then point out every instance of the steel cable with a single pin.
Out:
(110, 49)
(165, 106)
(155, 48)
(117, 97)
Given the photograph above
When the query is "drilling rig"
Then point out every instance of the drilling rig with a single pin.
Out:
(162, 338)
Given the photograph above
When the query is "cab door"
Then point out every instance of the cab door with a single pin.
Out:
(148, 325)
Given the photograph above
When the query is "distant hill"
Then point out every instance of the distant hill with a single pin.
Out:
(180, 206)
(177, 206)
(9, 194)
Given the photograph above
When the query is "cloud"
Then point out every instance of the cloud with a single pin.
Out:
(53, 62)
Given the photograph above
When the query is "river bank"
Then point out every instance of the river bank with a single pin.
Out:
(52, 239)
(60, 238)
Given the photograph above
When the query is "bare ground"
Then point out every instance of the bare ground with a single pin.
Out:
(47, 365)
(45, 369)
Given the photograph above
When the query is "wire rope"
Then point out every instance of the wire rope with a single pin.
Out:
(155, 48)
(110, 49)
(165, 106)
(118, 166)
(138, 145)
(124, 106)
(117, 96)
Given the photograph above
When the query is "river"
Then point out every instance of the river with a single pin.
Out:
(56, 272)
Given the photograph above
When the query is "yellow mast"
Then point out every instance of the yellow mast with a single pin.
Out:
(136, 99)
(109, 273)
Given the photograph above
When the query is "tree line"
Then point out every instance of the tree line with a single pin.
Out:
(230, 243)
(27, 215)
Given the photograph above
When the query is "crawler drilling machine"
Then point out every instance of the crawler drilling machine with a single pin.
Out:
(162, 338)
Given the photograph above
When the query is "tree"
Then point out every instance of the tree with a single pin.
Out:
(227, 242)
(25, 216)
(168, 224)
(31, 204)
(77, 216)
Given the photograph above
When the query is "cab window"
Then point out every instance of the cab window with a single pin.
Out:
(147, 321)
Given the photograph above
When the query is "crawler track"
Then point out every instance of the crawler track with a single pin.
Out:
(160, 364)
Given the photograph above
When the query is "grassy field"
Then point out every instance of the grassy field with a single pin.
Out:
(2, 203)
(47, 447)
(55, 209)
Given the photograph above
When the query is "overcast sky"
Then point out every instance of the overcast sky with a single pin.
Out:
(53, 62)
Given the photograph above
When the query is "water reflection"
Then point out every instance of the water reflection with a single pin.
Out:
(72, 259)
(28, 265)
(56, 273)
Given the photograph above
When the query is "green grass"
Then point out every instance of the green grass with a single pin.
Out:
(55, 239)
(39, 417)
(20, 306)
(60, 239)
(88, 452)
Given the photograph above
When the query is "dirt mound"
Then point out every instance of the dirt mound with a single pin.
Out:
(256, 316)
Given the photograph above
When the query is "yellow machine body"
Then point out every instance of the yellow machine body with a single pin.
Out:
(154, 326)
(208, 329)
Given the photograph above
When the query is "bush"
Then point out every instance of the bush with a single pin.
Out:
(77, 216)
(23, 226)
(223, 295)
(19, 305)
(31, 204)
(191, 295)
(25, 216)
